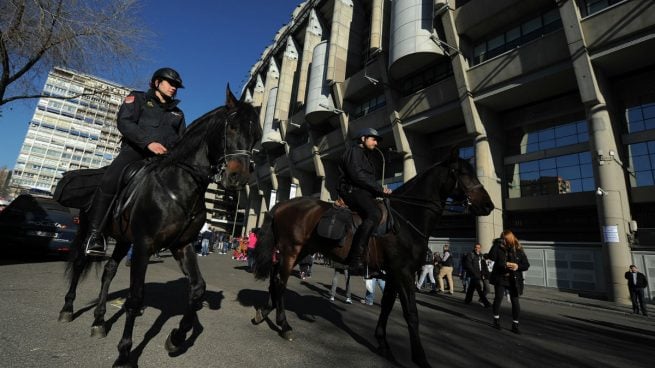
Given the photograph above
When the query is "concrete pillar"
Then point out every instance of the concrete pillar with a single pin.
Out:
(377, 24)
(487, 228)
(272, 81)
(402, 145)
(342, 18)
(613, 205)
(313, 36)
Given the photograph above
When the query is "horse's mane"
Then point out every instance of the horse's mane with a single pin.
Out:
(409, 185)
(199, 130)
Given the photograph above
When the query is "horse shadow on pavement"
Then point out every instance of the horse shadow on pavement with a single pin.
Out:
(158, 296)
(307, 308)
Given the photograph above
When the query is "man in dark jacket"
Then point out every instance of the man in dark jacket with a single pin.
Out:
(358, 188)
(636, 284)
(151, 124)
(476, 269)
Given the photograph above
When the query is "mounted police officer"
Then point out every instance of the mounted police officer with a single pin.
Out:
(151, 124)
(358, 188)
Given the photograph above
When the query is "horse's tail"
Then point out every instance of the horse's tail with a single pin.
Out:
(265, 248)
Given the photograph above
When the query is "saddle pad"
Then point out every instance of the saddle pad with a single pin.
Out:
(334, 223)
(76, 187)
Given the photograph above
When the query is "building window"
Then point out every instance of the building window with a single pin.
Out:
(509, 39)
(368, 107)
(426, 77)
(555, 175)
(642, 157)
(640, 117)
(589, 7)
(557, 136)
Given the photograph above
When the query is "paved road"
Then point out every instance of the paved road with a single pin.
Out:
(327, 334)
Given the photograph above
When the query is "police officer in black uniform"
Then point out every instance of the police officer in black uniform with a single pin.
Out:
(151, 124)
(358, 188)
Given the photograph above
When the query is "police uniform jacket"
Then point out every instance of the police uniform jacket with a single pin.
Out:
(357, 172)
(143, 119)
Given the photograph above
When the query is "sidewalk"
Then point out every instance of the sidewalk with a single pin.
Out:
(573, 299)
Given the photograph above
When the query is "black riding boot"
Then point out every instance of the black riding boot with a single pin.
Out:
(95, 244)
(356, 264)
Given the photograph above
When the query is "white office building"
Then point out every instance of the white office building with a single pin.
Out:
(68, 134)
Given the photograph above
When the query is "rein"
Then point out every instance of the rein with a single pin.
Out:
(435, 206)
(411, 225)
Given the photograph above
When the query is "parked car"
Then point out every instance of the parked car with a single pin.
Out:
(35, 224)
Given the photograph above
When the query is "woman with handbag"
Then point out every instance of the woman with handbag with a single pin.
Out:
(510, 262)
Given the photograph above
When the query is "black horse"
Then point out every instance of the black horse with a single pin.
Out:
(289, 233)
(163, 206)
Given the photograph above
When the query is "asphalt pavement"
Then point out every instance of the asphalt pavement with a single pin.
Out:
(560, 329)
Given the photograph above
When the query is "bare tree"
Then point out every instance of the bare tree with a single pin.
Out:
(84, 35)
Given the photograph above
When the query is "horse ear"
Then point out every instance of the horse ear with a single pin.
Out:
(230, 100)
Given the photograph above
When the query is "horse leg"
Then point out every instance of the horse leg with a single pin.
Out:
(279, 285)
(262, 313)
(77, 267)
(407, 294)
(388, 300)
(98, 328)
(133, 304)
(188, 263)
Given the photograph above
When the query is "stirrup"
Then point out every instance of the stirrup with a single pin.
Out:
(89, 251)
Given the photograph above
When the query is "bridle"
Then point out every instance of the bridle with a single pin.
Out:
(457, 173)
(219, 169)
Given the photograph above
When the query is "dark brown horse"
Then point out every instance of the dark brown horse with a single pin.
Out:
(289, 233)
(163, 207)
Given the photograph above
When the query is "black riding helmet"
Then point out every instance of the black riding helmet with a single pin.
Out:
(368, 132)
(166, 73)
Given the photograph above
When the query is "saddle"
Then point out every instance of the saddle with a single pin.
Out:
(77, 187)
(335, 221)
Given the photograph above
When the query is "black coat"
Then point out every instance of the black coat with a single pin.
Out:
(500, 274)
(641, 281)
(357, 172)
(475, 266)
(142, 119)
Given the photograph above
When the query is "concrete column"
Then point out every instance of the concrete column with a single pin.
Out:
(377, 24)
(613, 205)
(272, 81)
(487, 227)
(342, 18)
(285, 85)
(313, 36)
(262, 211)
(400, 137)
(258, 94)
(402, 145)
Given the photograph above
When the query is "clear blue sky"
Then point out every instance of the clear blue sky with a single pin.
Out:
(211, 43)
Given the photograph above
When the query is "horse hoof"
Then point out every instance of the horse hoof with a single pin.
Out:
(259, 317)
(169, 345)
(65, 316)
(288, 335)
(98, 331)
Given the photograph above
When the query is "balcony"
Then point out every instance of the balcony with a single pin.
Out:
(478, 18)
(527, 73)
(621, 38)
